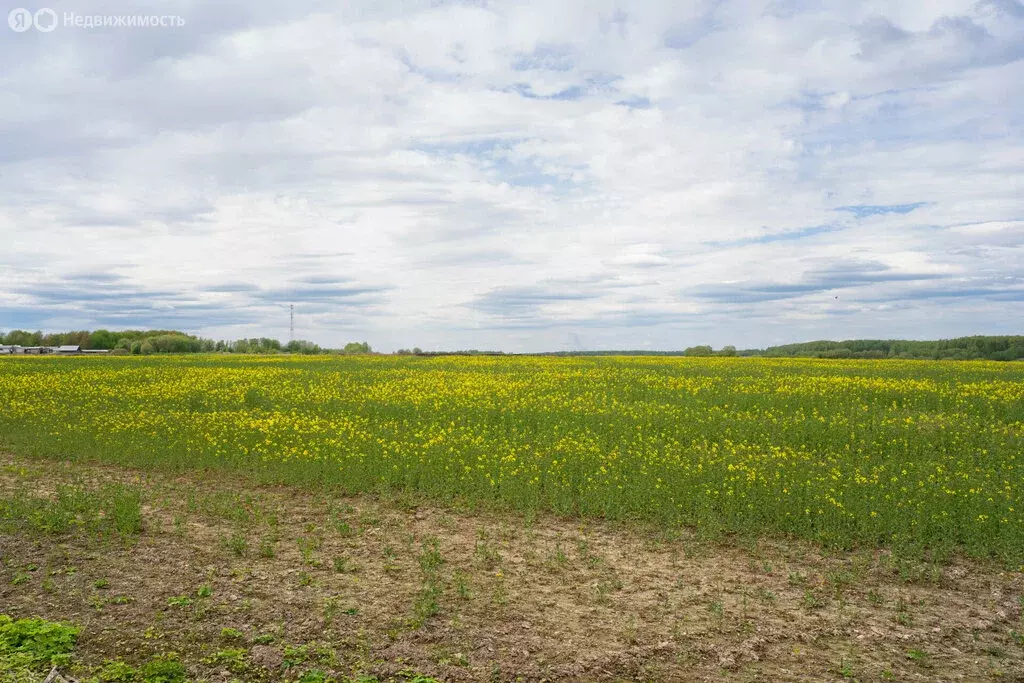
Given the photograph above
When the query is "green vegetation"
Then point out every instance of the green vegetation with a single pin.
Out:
(148, 342)
(32, 646)
(1003, 348)
(114, 509)
(917, 455)
(964, 348)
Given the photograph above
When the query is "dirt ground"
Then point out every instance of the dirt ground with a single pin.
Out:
(263, 584)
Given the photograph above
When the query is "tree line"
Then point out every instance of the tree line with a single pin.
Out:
(961, 348)
(1005, 348)
(147, 342)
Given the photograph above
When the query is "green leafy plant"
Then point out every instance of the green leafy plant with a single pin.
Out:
(35, 643)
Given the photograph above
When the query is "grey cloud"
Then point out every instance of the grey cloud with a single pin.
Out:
(323, 290)
(545, 56)
(834, 276)
(1013, 8)
(526, 301)
(950, 44)
(878, 35)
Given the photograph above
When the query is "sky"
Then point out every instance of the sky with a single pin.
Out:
(518, 176)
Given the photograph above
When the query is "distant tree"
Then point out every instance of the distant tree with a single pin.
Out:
(102, 339)
(356, 347)
(302, 346)
(417, 351)
(729, 350)
(23, 338)
(702, 350)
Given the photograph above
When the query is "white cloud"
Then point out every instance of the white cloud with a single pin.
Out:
(513, 175)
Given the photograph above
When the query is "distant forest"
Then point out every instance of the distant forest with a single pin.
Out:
(146, 342)
(961, 348)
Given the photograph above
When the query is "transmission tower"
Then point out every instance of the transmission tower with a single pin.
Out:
(291, 322)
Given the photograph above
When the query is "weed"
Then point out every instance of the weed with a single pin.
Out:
(331, 607)
(487, 555)
(903, 616)
(343, 528)
(461, 586)
(33, 644)
(846, 668)
(232, 659)
(426, 604)
(308, 545)
(112, 510)
(811, 600)
(560, 558)
(237, 544)
(343, 565)
(430, 556)
(116, 671)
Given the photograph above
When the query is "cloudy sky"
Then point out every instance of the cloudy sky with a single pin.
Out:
(518, 175)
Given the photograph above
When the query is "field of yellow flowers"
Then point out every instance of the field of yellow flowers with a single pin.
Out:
(910, 454)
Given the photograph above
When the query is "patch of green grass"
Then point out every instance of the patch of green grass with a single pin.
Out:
(116, 671)
(112, 510)
(237, 544)
(228, 633)
(343, 565)
(165, 668)
(33, 645)
(846, 668)
(232, 659)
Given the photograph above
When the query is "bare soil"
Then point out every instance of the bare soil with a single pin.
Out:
(349, 585)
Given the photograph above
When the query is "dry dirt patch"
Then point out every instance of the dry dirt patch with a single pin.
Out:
(259, 583)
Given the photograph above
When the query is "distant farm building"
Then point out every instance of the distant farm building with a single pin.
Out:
(65, 350)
